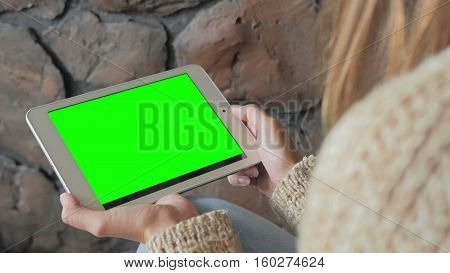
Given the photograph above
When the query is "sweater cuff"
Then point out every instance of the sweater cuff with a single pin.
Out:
(288, 199)
(210, 232)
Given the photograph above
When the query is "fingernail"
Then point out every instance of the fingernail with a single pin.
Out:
(243, 181)
(63, 198)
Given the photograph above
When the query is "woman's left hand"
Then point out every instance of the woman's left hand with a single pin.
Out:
(138, 222)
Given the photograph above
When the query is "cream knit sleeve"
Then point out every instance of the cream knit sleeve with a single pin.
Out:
(212, 232)
(289, 197)
(209, 232)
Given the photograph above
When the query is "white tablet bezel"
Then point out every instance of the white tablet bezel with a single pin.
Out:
(70, 175)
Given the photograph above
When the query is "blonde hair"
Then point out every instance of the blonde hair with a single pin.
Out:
(371, 41)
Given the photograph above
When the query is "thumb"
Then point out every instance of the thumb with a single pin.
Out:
(78, 216)
(70, 207)
(68, 201)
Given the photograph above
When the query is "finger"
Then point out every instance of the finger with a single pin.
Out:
(239, 180)
(81, 217)
(177, 201)
(241, 113)
(260, 124)
(239, 173)
(171, 199)
(252, 172)
(184, 207)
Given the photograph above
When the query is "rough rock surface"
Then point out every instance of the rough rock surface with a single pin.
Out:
(34, 206)
(29, 205)
(107, 53)
(47, 9)
(28, 78)
(159, 7)
(252, 49)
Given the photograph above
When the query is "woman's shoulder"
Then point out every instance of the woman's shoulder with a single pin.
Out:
(396, 104)
(389, 154)
(399, 112)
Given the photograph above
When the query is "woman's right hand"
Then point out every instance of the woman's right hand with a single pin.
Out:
(134, 222)
(275, 149)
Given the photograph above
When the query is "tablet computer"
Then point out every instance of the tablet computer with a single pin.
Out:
(138, 141)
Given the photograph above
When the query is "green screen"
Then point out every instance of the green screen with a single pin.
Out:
(143, 137)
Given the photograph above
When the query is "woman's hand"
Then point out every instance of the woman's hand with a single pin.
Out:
(136, 223)
(275, 149)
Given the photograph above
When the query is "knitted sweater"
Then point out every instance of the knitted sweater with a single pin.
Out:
(381, 182)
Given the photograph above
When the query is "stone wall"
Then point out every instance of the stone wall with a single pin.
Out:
(53, 49)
